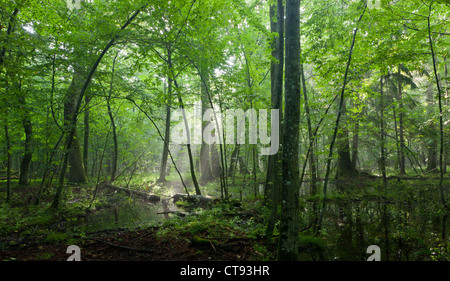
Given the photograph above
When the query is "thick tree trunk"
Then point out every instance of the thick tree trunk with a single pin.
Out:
(205, 149)
(343, 148)
(233, 160)
(289, 225)
(77, 173)
(27, 156)
(276, 77)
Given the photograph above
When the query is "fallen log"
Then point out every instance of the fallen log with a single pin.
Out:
(146, 196)
(201, 199)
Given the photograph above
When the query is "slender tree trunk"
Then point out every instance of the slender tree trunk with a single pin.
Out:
(336, 126)
(188, 145)
(441, 131)
(401, 129)
(312, 154)
(289, 225)
(87, 99)
(446, 136)
(273, 179)
(432, 161)
(113, 125)
(355, 144)
(397, 142)
(8, 164)
(165, 153)
(382, 138)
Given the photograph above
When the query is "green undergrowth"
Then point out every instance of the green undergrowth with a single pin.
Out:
(221, 222)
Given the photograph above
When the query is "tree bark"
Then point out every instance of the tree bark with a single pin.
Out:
(273, 179)
(113, 125)
(401, 129)
(77, 173)
(27, 156)
(289, 225)
(343, 147)
(188, 145)
(205, 149)
(382, 138)
(165, 153)
(432, 146)
(441, 131)
(87, 99)
(8, 164)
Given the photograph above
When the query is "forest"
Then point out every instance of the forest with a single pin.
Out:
(224, 130)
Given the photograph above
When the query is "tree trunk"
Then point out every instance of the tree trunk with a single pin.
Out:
(8, 164)
(273, 179)
(188, 145)
(445, 210)
(289, 225)
(432, 145)
(113, 125)
(242, 166)
(446, 149)
(355, 144)
(336, 125)
(77, 172)
(205, 149)
(215, 161)
(165, 153)
(382, 139)
(27, 156)
(87, 99)
(312, 154)
(233, 160)
(343, 147)
(401, 129)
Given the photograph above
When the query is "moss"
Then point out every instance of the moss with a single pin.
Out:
(312, 242)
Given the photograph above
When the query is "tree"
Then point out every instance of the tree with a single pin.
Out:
(273, 178)
(289, 230)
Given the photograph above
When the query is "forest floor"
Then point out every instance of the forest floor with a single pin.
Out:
(29, 233)
(139, 245)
